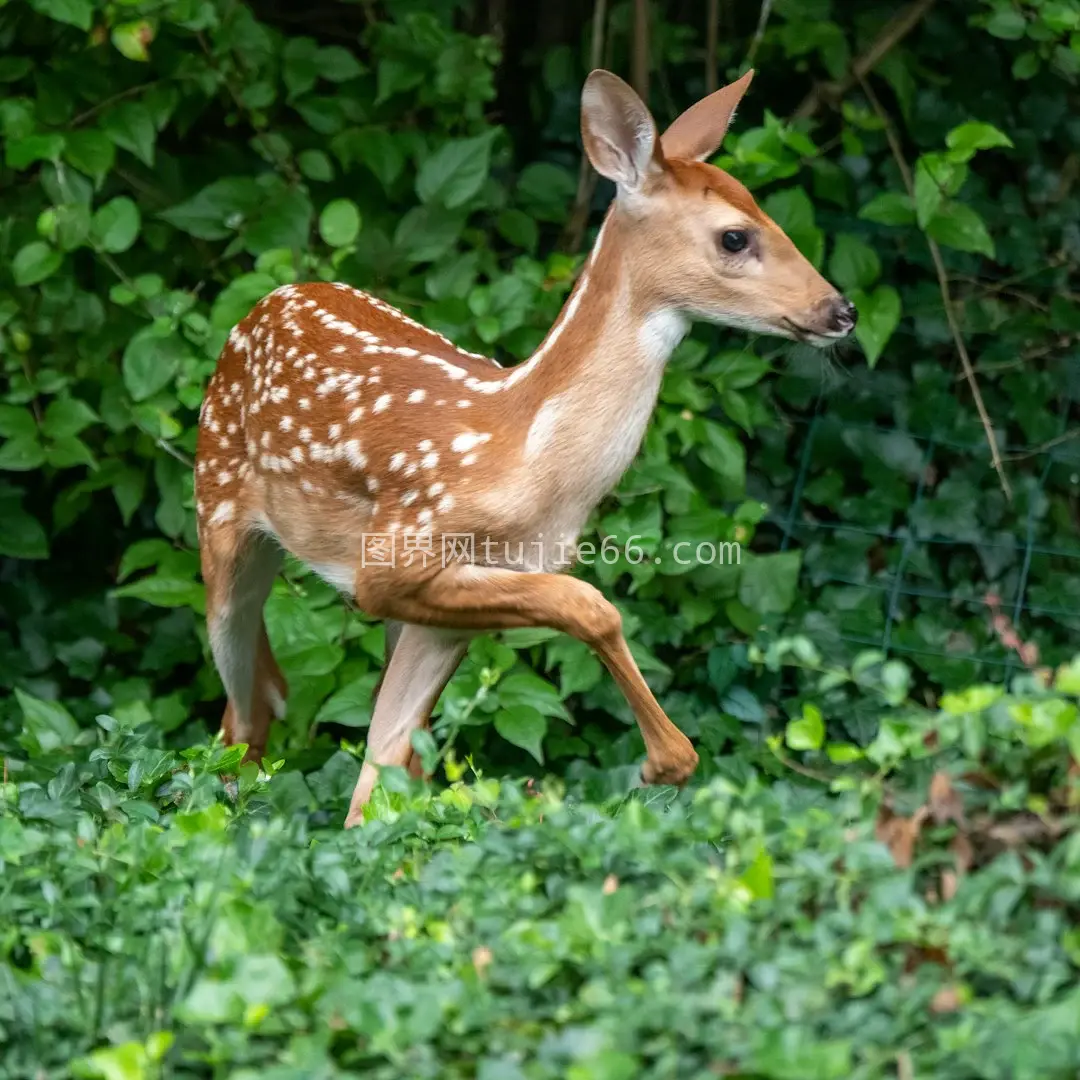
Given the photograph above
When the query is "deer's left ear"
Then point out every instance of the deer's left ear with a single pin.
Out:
(698, 133)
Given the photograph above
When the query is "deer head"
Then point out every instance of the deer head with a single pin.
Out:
(699, 240)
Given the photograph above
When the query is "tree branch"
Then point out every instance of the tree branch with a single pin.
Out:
(943, 285)
(892, 33)
(712, 41)
(574, 230)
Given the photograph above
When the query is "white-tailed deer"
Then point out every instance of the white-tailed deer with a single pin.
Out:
(444, 493)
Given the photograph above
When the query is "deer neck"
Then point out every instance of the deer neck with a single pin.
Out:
(592, 384)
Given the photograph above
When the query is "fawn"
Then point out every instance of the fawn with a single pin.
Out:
(337, 428)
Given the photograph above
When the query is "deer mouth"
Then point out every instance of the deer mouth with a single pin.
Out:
(807, 335)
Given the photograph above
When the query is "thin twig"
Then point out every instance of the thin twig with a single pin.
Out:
(574, 231)
(1042, 448)
(131, 91)
(891, 35)
(712, 41)
(759, 33)
(943, 285)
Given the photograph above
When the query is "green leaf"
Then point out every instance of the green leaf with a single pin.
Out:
(315, 165)
(131, 39)
(151, 360)
(90, 151)
(22, 454)
(427, 232)
(238, 298)
(163, 591)
(22, 536)
(929, 194)
(351, 705)
(758, 876)
(67, 417)
(807, 732)
(115, 225)
(339, 223)
(889, 208)
(47, 725)
(456, 172)
(338, 64)
(283, 221)
(21, 153)
(17, 422)
(523, 726)
(78, 13)
(879, 316)
(1007, 23)
(35, 262)
(67, 452)
(130, 125)
(972, 136)
(854, 263)
(528, 688)
(958, 226)
(768, 583)
(793, 211)
(216, 211)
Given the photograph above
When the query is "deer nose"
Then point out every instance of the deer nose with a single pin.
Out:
(843, 316)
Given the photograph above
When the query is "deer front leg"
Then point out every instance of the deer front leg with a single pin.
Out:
(421, 661)
(480, 598)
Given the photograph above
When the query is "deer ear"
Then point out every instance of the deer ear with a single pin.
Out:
(618, 131)
(698, 133)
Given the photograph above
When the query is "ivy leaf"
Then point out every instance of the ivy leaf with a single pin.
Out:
(854, 264)
(958, 226)
(339, 223)
(115, 226)
(456, 171)
(47, 725)
(889, 208)
(523, 726)
(35, 262)
(879, 316)
(131, 126)
(78, 13)
(768, 582)
(808, 731)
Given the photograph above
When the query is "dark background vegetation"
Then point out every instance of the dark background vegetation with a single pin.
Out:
(876, 872)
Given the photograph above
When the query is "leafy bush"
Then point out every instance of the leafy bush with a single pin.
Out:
(911, 912)
(857, 886)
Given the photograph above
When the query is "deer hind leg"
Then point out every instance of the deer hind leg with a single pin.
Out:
(475, 598)
(239, 570)
(419, 665)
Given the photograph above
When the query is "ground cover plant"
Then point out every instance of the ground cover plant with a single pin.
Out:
(875, 873)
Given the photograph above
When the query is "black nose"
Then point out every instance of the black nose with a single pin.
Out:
(843, 317)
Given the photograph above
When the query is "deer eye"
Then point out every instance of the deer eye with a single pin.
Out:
(734, 240)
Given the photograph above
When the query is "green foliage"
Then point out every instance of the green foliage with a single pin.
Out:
(857, 885)
(877, 918)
